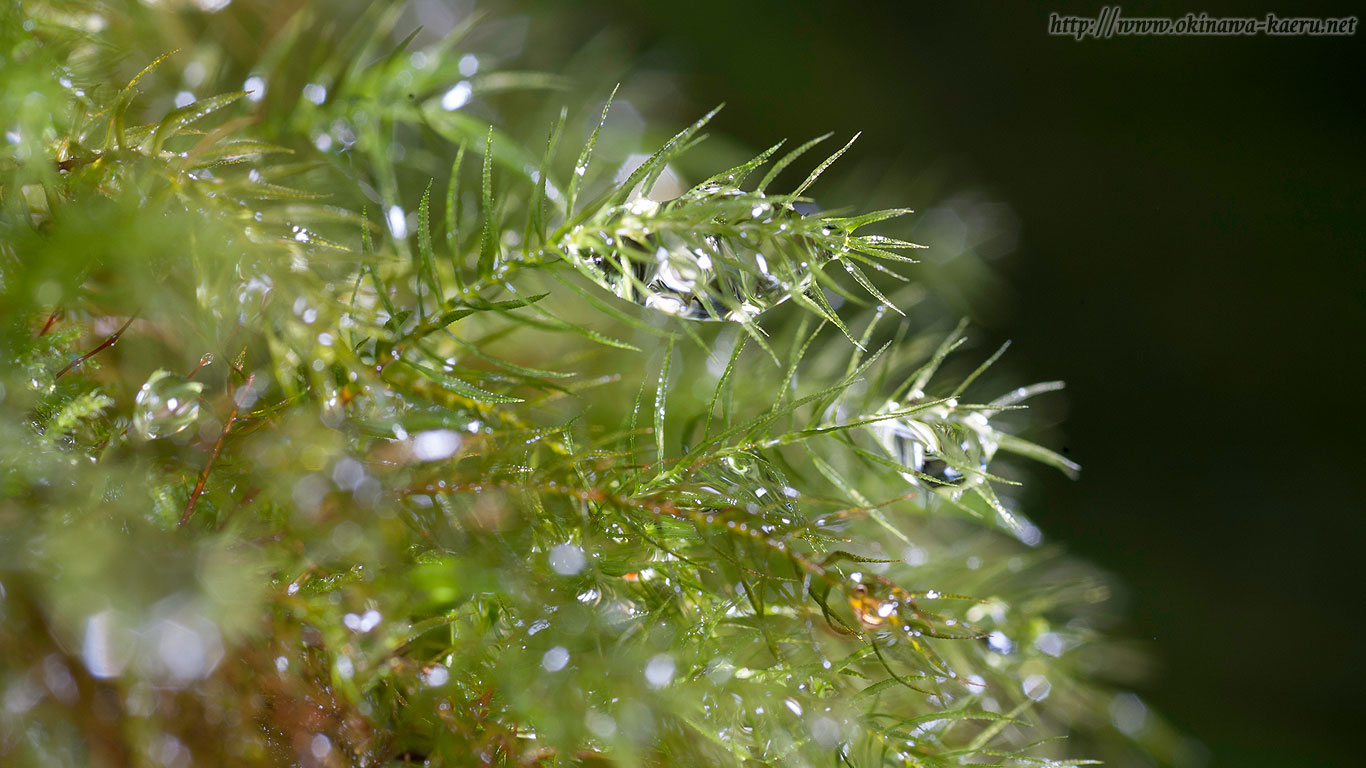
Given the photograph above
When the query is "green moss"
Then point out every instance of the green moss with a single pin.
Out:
(355, 422)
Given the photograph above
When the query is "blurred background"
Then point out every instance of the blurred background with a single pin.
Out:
(1172, 225)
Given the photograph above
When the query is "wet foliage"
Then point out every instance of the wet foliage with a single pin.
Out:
(358, 416)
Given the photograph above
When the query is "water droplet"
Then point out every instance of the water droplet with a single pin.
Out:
(256, 88)
(681, 273)
(915, 556)
(998, 642)
(1036, 687)
(436, 676)
(186, 641)
(1128, 713)
(435, 444)
(1050, 643)
(659, 671)
(458, 96)
(320, 747)
(165, 405)
(362, 623)
(602, 725)
(567, 559)
(825, 731)
(100, 650)
(555, 659)
(939, 444)
(398, 222)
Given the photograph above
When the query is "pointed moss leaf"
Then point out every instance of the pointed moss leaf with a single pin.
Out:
(656, 162)
(868, 286)
(787, 160)
(586, 155)
(425, 253)
(452, 384)
(488, 242)
(474, 306)
(264, 190)
(823, 166)
(852, 223)
(230, 152)
(177, 119)
(1021, 447)
(737, 175)
(661, 391)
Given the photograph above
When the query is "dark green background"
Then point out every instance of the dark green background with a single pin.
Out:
(1190, 261)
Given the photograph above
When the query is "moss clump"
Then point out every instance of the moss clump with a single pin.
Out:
(353, 422)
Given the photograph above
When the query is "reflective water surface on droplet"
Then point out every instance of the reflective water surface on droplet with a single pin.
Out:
(659, 671)
(944, 446)
(165, 405)
(686, 273)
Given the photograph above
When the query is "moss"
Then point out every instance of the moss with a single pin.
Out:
(354, 422)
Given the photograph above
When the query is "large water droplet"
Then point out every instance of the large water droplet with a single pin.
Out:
(659, 671)
(166, 404)
(1000, 643)
(555, 659)
(567, 559)
(939, 443)
(436, 676)
(685, 272)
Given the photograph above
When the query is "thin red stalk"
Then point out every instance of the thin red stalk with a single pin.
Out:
(213, 456)
(203, 361)
(106, 344)
(51, 319)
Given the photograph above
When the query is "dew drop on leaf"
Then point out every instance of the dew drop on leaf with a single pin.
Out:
(165, 405)
(939, 443)
(685, 273)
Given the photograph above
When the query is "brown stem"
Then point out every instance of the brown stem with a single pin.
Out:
(203, 361)
(51, 319)
(106, 344)
(213, 456)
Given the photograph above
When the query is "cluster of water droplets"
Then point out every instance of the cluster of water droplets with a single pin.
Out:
(947, 446)
(690, 272)
(166, 404)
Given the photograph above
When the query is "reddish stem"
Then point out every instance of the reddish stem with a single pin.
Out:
(213, 456)
(203, 361)
(106, 344)
(51, 319)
